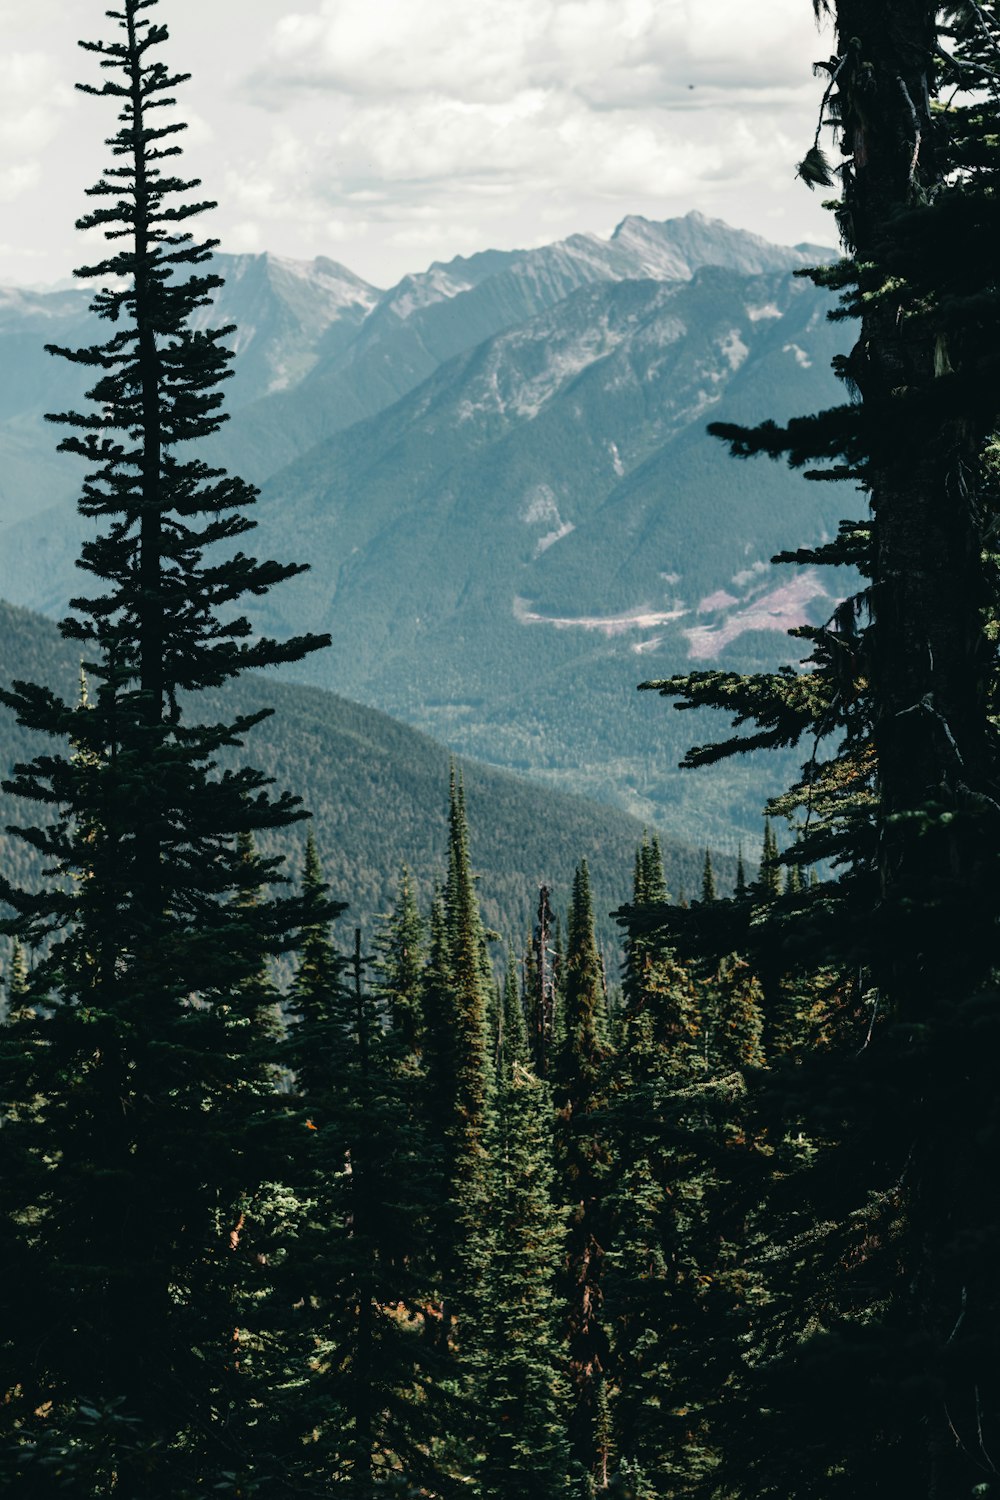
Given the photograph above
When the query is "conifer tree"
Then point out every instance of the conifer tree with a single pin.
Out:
(651, 1282)
(768, 883)
(458, 1009)
(360, 1399)
(900, 686)
(740, 889)
(438, 1104)
(559, 988)
(582, 1157)
(468, 996)
(734, 1008)
(400, 961)
(523, 1394)
(17, 979)
(708, 891)
(154, 1138)
(540, 985)
(661, 1000)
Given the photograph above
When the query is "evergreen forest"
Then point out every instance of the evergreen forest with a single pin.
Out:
(491, 1196)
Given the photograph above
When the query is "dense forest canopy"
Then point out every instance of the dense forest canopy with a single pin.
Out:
(439, 1214)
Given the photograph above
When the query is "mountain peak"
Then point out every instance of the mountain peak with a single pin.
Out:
(677, 248)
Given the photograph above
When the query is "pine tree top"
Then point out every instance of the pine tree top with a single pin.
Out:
(708, 891)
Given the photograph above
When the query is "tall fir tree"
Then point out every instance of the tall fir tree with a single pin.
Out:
(462, 1029)
(360, 1397)
(400, 953)
(152, 1138)
(522, 1390)
(469, 991)
(582, 1157)
(768, 883)
(648, 1280)
(740, 889)
(540, 985)
(899, 694)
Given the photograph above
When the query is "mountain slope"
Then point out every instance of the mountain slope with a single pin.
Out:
(447, 310)
(379, 793)
(318, 350)
(505, 552)
(500, 474)
(287, 314)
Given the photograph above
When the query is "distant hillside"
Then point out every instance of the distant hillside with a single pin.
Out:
(317, 350)
(506, 552)
(378, 791)
(500, 473)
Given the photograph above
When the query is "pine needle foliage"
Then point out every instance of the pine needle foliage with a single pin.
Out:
(523, 1391)
(868, 1377)
(140, 1094)
(582, 1158)
(359, 1396)
(400, 953)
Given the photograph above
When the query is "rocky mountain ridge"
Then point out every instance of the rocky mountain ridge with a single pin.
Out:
(500, 473)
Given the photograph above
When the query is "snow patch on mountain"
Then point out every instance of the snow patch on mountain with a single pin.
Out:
(801, 357)
(489, 398)
(747, 575)
(416, 292)
(719, 600)
(542, 509)
(703, 400)
(733, 348)
(768, 310)
(551, 537)
(563, 362)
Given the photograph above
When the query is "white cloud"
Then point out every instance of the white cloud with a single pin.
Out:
(612, 52)
(391, 132)
(245, 238)
(32, 101)
(16, 179)
(417, 117)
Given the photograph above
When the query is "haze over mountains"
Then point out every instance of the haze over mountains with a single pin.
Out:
(499, 472)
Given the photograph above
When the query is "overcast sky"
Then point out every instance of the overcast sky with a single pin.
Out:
(389, 133)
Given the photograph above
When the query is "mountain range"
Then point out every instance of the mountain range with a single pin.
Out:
(499, 472)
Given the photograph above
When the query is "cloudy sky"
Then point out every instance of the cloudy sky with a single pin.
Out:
(389, 133)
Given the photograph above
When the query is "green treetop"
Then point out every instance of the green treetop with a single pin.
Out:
(708, 891)
(521, 1390)
(400, 953)
(582, 1156)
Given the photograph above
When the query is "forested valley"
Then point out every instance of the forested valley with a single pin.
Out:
(687, 1191)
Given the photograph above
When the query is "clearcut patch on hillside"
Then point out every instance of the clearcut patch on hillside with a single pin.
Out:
(781, 609)
(642, 618)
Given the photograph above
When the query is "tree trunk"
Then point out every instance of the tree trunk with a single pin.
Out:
(929, 655)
